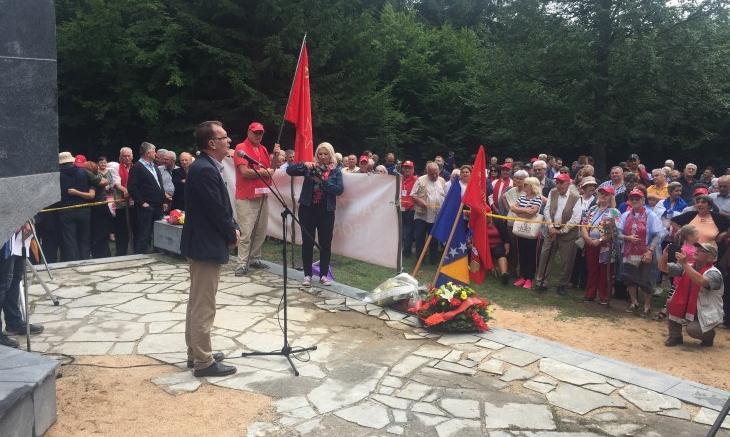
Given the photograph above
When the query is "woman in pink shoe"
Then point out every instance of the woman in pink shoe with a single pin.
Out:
(527, 206)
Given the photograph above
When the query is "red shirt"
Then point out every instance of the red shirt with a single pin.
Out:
(124, 174)
(246, 188)
(406, 200)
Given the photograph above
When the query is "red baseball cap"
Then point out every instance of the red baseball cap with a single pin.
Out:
(636, 192)
(80, 160)
(507, 165)
(563, 177)
(363, 158)
(256, 127)
(533, 159)
(407, 164)
(699, 191)
(608, 190)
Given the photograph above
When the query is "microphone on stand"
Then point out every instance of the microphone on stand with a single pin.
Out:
(244, 155)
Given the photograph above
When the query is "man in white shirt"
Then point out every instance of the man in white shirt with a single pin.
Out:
(563, 210)
(428, 195)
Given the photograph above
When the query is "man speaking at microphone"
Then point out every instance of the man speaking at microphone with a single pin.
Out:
(208, 233)
(251, 207)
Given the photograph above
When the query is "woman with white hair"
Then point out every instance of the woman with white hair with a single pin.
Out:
(317, 203)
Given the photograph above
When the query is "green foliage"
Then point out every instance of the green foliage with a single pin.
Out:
(416, 77)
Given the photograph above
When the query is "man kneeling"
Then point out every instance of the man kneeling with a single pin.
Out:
(697, 301)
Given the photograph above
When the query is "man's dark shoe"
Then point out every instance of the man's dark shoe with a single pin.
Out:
(217, 356)
(20, 330)
(241, 271)
(9, 342)
(215, 369)
(258, 265)
(562, 291)
(673, 341)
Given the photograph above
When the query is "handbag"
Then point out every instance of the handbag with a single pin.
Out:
(529, 230)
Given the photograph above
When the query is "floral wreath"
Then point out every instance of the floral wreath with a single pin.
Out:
(453, 308)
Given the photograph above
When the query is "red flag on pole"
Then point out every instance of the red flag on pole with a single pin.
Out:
(299, 110)
(475, 197)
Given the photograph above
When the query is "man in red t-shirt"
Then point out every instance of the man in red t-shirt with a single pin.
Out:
(408, 178)
(251, 207)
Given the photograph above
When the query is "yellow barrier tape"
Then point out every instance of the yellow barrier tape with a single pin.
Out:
(520, 219)
(82, 205)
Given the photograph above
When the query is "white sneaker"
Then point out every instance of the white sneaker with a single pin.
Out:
(307, 281)
(324, 281)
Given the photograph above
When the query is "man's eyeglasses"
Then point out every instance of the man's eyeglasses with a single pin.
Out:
(221, 138)
(260, 132)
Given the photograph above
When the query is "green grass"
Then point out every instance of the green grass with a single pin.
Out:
(367, 276)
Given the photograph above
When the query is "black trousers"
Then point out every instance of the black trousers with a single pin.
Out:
(317, 218)
(122, 231)
(101, 225)
(75, 234)
(145, 219)
(408, 231)
(422, 229)
(11, 272)
(528, 257)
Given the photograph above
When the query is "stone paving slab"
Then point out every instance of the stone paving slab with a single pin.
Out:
(365, 378)
(687, 391)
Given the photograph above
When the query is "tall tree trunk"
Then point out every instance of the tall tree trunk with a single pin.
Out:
(600, 86)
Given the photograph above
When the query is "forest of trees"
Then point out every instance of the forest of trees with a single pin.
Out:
(571, 77)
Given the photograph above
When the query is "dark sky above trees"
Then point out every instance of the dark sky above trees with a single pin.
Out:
(599, 77)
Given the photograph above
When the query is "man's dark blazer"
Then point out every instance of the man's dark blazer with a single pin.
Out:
(549, 185)
(179, 178)
(209, 226)
(143, 187)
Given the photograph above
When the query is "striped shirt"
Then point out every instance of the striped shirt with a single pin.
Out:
(524, 202)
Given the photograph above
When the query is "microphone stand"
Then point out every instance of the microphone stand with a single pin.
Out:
(286, 350)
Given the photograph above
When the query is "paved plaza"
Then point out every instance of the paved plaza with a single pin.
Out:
(375, 372)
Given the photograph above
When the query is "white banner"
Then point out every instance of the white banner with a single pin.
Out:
(366, 218)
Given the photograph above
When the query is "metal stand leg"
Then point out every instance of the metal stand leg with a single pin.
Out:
(53, 298)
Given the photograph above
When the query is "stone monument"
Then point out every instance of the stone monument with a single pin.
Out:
(28, 111)
(28, 182)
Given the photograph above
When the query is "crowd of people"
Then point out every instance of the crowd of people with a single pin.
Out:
(615, 238)
(619, 237)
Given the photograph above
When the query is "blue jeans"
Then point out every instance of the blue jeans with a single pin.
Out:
(11, 273)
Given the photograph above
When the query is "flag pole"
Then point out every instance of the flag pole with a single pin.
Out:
(448, 243)
(421, 256)
(291, 89)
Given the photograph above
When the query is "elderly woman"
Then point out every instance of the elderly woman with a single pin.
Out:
(602, 217)
(510, 196)
(527, 207)
(317, 203)
(641, 232)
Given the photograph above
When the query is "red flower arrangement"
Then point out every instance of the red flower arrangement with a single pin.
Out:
(453, 308)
